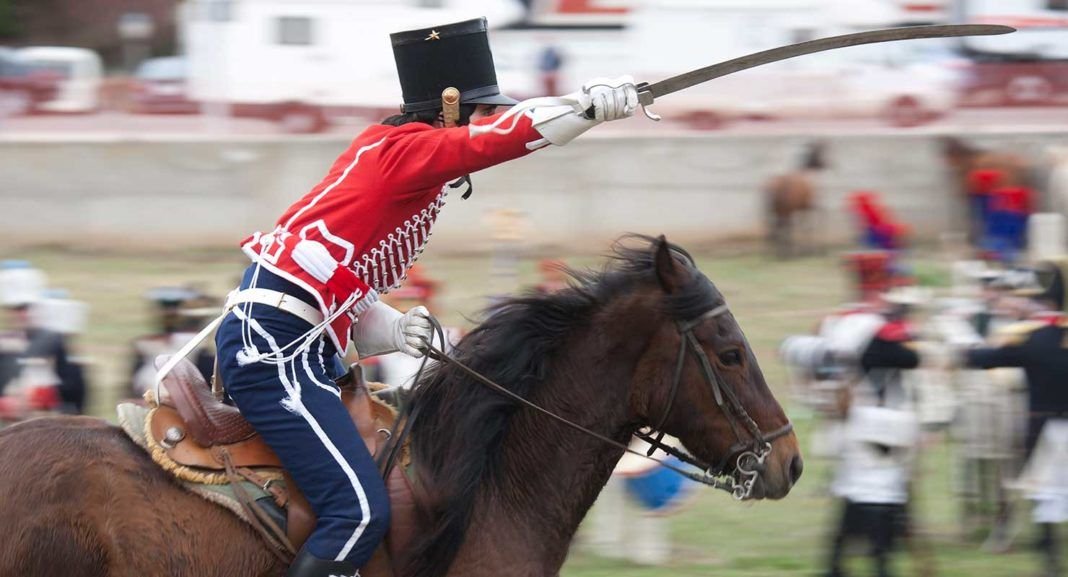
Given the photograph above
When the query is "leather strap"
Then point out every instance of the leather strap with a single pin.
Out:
(277, 540)
(279, 300)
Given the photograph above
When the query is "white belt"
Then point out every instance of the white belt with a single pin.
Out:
(279, 300)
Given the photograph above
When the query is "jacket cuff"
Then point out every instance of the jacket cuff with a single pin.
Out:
(344, 283)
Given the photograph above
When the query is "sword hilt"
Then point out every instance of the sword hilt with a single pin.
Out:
(645, 98)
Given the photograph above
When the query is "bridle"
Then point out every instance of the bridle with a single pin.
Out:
(750, 454)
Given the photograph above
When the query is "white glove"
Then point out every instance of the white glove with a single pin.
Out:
(315, 259)
(383, 329)
(611, 98)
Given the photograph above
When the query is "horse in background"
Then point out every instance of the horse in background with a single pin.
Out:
(975, 172)
(792, 202)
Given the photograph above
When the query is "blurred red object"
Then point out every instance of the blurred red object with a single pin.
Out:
(879, 228)
(984, 180)
(42, 398)
(1014, 199)
(20, 406)
(872, 272)
(1014, 80)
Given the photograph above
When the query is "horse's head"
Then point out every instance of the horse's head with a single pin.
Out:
(700, 382)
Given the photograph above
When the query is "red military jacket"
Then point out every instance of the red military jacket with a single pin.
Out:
(376, 207)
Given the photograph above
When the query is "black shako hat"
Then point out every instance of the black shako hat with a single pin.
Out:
(429, 60)
(1049, 284)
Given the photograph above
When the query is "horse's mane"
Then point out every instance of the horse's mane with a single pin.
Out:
(461, 425)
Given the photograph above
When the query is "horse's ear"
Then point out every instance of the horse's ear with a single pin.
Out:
(668, 271)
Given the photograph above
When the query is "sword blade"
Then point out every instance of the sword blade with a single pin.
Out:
(649, 92)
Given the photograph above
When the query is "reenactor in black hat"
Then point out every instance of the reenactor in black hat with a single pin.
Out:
(1038, 345)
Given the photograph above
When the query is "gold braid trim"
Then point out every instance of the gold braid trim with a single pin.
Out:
(187, 473)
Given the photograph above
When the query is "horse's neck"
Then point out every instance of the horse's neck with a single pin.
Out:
(551, 474)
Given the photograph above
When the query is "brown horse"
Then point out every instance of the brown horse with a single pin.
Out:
(505, 486)
(792, 202)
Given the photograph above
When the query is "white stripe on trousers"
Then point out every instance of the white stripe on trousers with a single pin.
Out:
(307, 368)
(296, 403)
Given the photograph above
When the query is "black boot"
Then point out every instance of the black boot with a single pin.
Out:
(1047, 545)
(308, 565)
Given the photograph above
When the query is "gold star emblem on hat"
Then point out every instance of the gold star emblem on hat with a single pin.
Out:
(434, 35)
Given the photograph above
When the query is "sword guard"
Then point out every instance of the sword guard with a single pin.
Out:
(650, 114)
(645, 98)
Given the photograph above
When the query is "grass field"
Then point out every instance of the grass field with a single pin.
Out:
(715, 535)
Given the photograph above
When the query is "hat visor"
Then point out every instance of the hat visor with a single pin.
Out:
(493, 99)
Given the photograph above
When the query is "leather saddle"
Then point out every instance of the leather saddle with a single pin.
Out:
(195, 430)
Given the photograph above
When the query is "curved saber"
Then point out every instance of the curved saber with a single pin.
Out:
(647, 93)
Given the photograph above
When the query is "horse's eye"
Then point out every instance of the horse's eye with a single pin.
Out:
(731, 358)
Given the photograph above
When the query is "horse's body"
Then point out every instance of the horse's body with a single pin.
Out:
(505, 488)
(81, 499)
(792, 204)
(963, 160)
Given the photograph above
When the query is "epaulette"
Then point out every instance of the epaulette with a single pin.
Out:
(1017, 333)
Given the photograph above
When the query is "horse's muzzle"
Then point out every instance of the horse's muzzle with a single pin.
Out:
(781, 471)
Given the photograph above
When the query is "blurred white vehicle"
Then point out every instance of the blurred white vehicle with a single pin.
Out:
(900, 84)
(79, 73)
(305, 64)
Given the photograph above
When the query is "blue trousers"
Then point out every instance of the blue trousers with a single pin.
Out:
(297, 410)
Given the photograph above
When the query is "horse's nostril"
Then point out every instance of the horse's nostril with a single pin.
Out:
(796, 467)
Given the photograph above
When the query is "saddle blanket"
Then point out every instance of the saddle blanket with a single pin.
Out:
(132, 421)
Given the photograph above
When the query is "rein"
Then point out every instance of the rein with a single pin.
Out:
(750, 455)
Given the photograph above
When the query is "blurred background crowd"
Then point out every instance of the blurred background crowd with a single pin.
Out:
(887, 222)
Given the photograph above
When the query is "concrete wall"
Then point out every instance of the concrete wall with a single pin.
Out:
(131, 193)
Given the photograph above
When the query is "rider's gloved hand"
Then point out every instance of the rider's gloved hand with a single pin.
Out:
(415, 332)
(600, 100)
(383, 329)
(611, 98)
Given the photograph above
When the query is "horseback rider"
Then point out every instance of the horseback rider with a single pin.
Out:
(1039, 345)
(315, 281)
